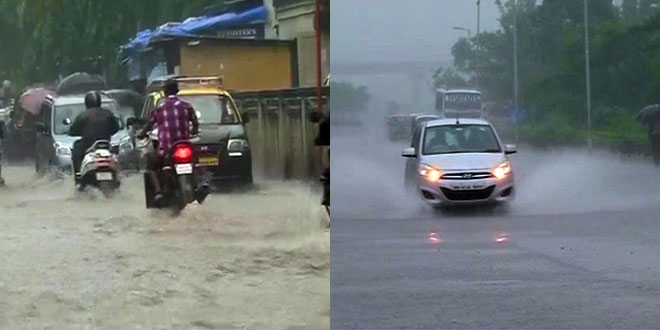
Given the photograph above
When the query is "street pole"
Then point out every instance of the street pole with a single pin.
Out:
(460, 28)
(319, 71)
(478, 43)
(586, 55)
(515, 69)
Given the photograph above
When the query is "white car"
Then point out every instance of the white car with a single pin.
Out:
(459, 161)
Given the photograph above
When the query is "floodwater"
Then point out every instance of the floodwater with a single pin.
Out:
(250, 260)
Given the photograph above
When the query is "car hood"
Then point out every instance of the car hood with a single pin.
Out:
(465, 161)
(66, 140)
(116, 139)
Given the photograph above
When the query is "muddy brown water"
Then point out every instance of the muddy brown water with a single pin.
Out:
(250, 260)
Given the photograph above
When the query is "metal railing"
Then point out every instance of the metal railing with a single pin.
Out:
(281, 135)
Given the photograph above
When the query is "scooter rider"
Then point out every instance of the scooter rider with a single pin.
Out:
(94, 124)
(173, 118)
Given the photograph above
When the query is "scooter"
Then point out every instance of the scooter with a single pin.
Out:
(99, 168)
(179, 179)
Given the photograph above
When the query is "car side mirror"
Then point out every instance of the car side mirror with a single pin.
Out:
(245, 117)
(409, 153)
(510, 149)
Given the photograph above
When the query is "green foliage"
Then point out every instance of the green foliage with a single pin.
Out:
(449, 78)
(41, 39)
(624, 56)
(346, 97)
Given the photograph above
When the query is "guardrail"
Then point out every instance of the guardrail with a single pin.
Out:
(280, 132)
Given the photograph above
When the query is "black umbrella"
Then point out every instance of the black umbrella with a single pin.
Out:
(649, 113)
(80, 83)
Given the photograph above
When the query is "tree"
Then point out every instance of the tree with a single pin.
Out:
(48, 38)
(346, 97)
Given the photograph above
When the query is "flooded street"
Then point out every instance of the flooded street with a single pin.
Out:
(251, 260)
(576, 249)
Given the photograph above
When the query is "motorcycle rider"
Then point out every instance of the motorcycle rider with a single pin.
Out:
(94, 124)
(173, 118)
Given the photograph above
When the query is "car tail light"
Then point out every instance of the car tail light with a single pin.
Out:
(183, 154)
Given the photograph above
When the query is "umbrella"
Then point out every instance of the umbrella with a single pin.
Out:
(32, 99)
(80, 83)
(649, 113)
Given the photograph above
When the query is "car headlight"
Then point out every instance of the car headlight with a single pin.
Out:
(61, 150)
(125, 144)
(502, 170)
(430, 173)
(235, 147)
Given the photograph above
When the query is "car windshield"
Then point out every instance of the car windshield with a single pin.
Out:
(71, 111)
(459, 139)
(211, 109)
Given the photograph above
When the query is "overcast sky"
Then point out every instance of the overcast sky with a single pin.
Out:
(403, 30)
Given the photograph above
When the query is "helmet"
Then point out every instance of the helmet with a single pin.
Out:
(171, 87)
(93, 99)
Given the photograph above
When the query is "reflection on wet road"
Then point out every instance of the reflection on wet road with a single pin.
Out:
(255, 260)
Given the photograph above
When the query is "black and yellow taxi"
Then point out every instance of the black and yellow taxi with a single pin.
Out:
(223, 146)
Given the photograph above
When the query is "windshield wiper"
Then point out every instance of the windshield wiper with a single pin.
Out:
(489, 150)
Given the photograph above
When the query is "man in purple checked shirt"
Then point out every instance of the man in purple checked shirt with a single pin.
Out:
(173, 119)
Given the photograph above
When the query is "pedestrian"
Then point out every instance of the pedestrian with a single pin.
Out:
(654, 137)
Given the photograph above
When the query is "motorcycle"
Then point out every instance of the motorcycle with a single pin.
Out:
(99, 168)
(179, 179)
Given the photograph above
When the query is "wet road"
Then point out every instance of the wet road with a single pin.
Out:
(241, 261)
(579, 248)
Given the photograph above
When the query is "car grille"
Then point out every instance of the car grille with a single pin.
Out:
(467, 195)
(467, 176)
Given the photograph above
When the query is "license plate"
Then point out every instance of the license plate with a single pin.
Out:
(468, 187)
(208, 160)
(184, 169)
(103, 176)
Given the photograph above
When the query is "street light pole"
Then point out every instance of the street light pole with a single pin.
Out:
(319, 70)
(460, 28)
(586, 55)
(515, 69)
(478, 43)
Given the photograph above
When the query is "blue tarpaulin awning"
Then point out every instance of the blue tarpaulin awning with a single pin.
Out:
(194, 26)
